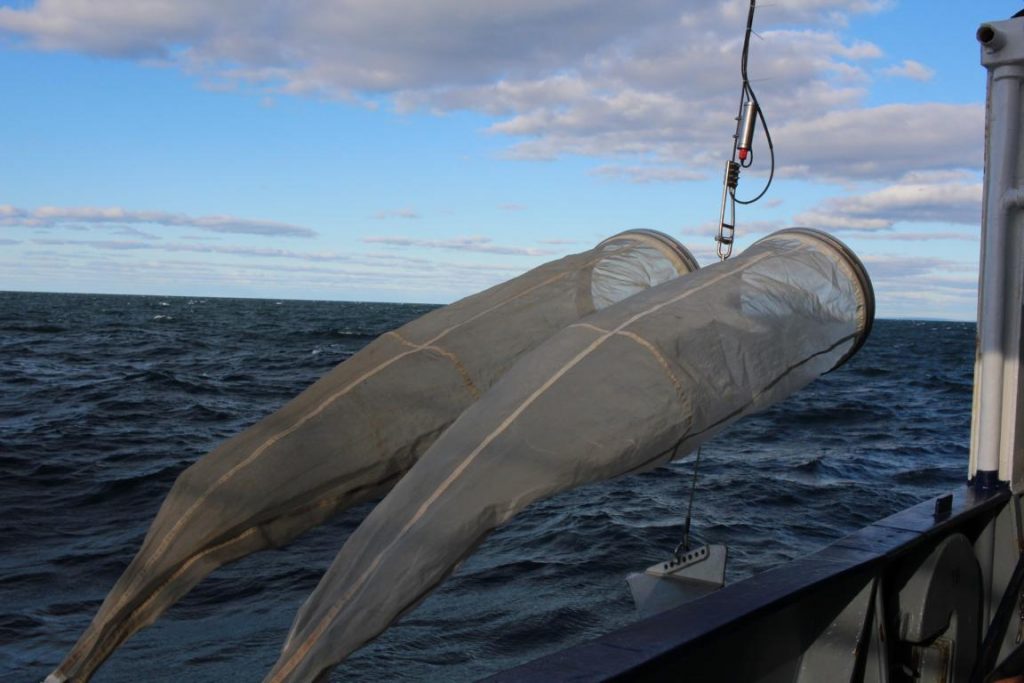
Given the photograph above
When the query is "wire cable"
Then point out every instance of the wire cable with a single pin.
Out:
(748, 94)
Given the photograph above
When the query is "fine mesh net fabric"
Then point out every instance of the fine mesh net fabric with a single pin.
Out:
(351, 435)
(628, 388)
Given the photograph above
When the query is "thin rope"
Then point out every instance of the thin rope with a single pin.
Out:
(684, 545)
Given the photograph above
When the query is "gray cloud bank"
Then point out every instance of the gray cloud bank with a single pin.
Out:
(483, 245)
(54, 216)
(169, 267)
(938, 197)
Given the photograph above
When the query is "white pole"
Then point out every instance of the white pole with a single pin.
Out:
(998, 319)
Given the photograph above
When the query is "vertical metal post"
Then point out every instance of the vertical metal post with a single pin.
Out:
(997, 393)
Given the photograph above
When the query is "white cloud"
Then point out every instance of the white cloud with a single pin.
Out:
(234, 250)
(884, 142)
(396, 213)
(336, 45)
(648, 174)
(129, 231)
(906, 285)
(475, 244)
(559, 242)
(909, 69)
(653, 81)
(472, 244)
(382, 276)
(372, 259)
(55, 216)
(915, 198)
(886, 267)
(924, 236)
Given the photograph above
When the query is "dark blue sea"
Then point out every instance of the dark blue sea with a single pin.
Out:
(105, 399)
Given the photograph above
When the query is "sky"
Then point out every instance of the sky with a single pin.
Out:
(389, 150)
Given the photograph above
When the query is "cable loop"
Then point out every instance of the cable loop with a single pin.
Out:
(750, 113)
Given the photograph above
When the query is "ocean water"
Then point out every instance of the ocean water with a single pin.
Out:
(105, 399)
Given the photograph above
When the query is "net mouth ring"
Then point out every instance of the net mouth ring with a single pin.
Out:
(860, 273)
(663, 241)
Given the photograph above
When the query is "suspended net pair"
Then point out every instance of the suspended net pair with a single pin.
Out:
(602, 364)
(350, 436)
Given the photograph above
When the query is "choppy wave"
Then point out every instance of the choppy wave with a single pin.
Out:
(105, 399)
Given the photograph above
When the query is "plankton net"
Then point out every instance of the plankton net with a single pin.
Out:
(624, 390)
(350, 436)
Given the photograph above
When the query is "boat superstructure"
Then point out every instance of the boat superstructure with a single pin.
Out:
(933, 593)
